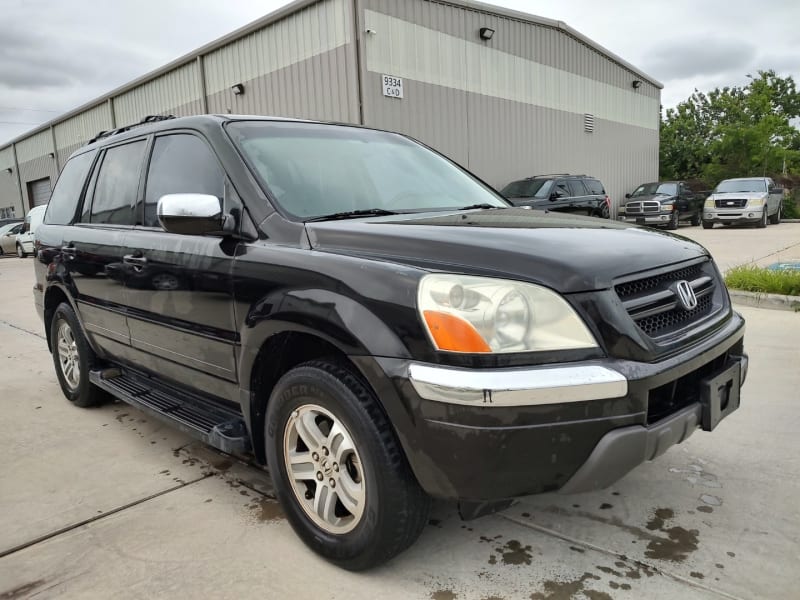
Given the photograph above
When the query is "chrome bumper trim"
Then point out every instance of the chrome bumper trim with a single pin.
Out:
(516, 387)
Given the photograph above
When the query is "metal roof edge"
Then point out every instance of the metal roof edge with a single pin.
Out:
(537, 20)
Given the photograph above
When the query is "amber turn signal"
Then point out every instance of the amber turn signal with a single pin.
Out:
(453, 333)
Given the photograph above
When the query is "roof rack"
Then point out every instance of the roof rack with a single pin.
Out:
(148, 119)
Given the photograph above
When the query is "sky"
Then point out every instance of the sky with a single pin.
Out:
(57, 55)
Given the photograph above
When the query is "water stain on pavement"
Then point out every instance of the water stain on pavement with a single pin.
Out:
(606, 506)
(563, 590)
(267, 510)
(514, 553)
(443, 595)
(679, 543)
(705, 509)
(697, 575)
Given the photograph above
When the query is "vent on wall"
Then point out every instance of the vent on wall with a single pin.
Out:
(588, 123)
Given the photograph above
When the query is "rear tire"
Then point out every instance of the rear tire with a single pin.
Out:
(321, 411)
(21, 251)
(696, 219)
(73, 359)
(776, 218)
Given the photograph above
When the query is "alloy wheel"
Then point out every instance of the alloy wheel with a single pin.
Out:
(68, 358)
(324, 469)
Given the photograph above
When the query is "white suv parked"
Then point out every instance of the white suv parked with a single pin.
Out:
(754, 200)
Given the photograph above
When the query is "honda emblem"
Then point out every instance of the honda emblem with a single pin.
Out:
(686, 295)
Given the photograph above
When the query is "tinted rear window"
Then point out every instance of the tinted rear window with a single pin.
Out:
(117, 184)
(594, 187)
(528, 188)
(67, 193)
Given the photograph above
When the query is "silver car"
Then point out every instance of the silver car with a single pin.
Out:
(755, 200)
(8, 237)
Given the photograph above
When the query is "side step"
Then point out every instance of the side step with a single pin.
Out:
(212, 423)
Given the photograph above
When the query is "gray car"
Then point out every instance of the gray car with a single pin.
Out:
(754, 200)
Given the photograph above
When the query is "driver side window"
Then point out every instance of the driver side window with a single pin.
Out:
(561, 190)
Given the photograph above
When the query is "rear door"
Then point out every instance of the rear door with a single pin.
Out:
(560, 197)
(92, 251)
(179, 287)
(581, 200)
(775, 197)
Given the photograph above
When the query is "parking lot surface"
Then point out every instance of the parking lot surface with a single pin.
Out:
(110, 503)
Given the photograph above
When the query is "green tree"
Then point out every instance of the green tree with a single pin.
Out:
(733, 131)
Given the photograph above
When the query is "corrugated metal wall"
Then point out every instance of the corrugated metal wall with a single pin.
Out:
(511, 107)
(35, 162)
(177, 92)
(302, 66)
(9, 190)
(76, 131)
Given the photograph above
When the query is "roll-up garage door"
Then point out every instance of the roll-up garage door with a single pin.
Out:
(39, 191)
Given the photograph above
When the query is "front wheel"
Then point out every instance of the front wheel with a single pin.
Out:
(338, 470)
(73, 359)
(776, 218)
(763, 222)
(21, 251)
(708, 225)
(673, 221)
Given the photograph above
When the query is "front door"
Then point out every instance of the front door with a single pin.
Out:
(179, 287)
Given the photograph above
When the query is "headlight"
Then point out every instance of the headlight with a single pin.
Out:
(709, 203)
(756, 201)
(668, 207)
(483, 315)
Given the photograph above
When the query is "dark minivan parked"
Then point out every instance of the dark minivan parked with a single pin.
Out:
(577, 194)
(374, 323)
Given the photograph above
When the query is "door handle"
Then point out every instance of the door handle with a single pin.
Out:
(69, 250)
(136, 260)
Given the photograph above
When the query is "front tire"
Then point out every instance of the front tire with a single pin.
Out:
(673, 221)
(21, 251)
(338, 469)
(73, 359)
(708, 225)
(776, 218)
(763, 222)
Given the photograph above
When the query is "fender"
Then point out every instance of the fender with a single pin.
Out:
(337, 319)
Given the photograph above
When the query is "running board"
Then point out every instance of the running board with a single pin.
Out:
(208, 421)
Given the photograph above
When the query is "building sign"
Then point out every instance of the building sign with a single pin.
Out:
(392, 86)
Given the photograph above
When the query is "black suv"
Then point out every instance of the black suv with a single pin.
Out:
(374, 323)
(578, 194)
(662, 203)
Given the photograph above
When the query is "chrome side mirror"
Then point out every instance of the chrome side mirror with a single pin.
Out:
(191, 214)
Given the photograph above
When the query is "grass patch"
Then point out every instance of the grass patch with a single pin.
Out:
(756, 279)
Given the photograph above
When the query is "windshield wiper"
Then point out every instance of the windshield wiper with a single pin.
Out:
(352, 214)
(476, 206)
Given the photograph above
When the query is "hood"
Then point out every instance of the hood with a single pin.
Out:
(563, 252)
(650, 198)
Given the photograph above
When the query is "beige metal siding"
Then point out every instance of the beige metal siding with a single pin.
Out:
(35, 162)
(177, 92)
(9, 190)
(301, 66)
(78, 130)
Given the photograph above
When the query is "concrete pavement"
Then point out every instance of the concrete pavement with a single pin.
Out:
(109, 503)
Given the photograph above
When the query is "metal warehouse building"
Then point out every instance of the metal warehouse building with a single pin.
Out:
(503, 93)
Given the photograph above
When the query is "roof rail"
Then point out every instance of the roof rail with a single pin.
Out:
(145, 121)
(551, 175)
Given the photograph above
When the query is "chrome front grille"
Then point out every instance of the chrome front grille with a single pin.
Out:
(641, 208)
(731, 203)
(653, 302)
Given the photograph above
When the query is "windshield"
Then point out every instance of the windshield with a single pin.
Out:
(652, 189)
(313, 170)
(741, 185)
(528, 188)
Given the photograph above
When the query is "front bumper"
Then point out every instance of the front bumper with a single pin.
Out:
(489, 435)
(739, 215)
(661, 218)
